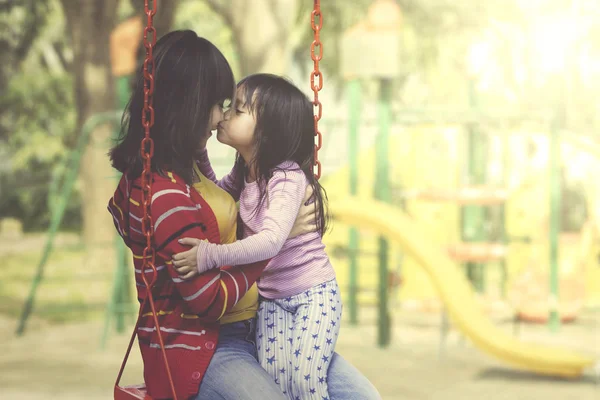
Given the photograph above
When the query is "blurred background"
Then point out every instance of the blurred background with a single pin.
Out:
(476, 121)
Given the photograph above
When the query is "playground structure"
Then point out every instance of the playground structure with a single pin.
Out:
(416, 238)
(456, 292)
(473, 198)
(438, 211)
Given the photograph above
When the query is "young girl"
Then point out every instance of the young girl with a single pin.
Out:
(271, 127)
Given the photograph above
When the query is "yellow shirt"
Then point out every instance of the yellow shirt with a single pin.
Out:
(225, 211)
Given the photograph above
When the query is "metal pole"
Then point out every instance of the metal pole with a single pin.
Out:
(382, 192)
(121, 294)
(555, 206)
(476, 171)
(123, 272)
(354, 104)
(125, 296)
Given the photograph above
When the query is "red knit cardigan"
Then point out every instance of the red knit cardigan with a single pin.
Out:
(189, 311)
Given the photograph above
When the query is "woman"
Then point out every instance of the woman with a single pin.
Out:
(207, 323)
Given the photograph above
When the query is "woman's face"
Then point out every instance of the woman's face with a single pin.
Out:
(216, 116)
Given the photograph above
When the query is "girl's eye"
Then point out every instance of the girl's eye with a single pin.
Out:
(238, 111)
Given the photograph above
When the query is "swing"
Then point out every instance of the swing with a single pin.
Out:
(138, 392)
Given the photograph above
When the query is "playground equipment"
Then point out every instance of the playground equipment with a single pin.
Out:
(456, 292)
(124, 43)
(526, 217)
(528, 294)
(371, 49)
(378, 38)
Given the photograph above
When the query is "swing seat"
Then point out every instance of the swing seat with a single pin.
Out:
(135, 392)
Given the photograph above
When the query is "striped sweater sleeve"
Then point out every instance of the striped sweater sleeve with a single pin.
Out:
(284, 197)
(229, 183)
(209, 295)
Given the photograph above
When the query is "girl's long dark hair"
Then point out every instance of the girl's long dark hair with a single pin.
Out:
(191, 77)
(284, 132)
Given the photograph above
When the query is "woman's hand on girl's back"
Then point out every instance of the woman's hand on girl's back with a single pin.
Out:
(306, 220)
(185, 263)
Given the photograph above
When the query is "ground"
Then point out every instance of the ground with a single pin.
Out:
(59, 357)
(64, 362)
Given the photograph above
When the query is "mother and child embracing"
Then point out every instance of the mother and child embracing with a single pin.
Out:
(246, 296)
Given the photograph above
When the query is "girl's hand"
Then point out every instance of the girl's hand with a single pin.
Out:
(306, 220)
(185, 262)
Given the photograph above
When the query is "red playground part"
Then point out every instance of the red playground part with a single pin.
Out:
(477, 252)
(530, 297)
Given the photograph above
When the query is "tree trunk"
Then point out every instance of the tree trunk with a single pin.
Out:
(165, 15)
(90, 23)
(261, 31)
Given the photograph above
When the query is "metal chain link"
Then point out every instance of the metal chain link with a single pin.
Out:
(147, 144)
(316, 78)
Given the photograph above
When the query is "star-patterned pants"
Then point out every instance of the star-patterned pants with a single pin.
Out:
(296, 338)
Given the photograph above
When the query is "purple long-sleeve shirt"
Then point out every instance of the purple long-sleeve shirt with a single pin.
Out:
(297, 264)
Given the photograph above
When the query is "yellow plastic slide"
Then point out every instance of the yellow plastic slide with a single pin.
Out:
(455, 291)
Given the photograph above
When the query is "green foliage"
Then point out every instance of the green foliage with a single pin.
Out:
(338, 16)
(43, 115)
(38, 114)
(37, 111)
(198, 16)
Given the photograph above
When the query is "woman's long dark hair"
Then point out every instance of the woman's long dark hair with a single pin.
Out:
(284, 132)
(191, 77)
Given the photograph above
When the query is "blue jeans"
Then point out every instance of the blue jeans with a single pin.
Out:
(235, 374)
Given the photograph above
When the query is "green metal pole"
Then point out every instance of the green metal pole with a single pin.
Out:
(382, 193)
(473, 215)
(120, 300)
(504, 234)
(123, 275)
(354, 100)
(60, 207)
(555, 206)
(562, 115)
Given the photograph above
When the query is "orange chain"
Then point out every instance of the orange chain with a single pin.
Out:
(316, 22)
(147, 151)
(147, 145)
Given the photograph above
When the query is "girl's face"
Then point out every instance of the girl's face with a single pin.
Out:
(237, 128)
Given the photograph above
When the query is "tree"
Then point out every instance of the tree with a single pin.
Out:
(262, 32)
(21, 22)
(36, 108)
(269, 34)
(89, 24)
